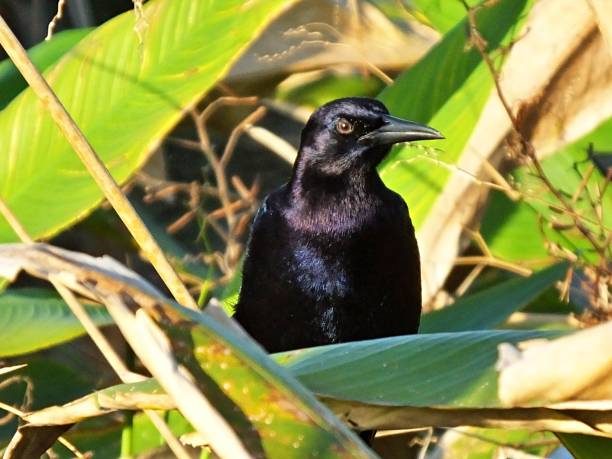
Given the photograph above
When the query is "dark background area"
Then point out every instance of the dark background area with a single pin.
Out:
(29, 18)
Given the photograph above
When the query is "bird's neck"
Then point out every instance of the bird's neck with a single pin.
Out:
(313, 191)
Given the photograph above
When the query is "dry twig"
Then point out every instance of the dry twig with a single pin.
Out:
(58, 15)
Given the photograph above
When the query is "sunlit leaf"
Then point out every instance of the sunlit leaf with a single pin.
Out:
(442, 15)
(111, 83)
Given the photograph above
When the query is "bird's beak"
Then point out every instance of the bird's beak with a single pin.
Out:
(396, 130)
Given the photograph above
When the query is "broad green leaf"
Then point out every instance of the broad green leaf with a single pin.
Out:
(446, 370)
(33, 319)
(587, 446)
(515, 230)
(455, 370)
(124, 95)
(450, 378)
(446, 89)
(43, 55)
(489, 308)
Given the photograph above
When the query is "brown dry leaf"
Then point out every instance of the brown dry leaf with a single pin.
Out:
(569, 369)
(590, 422)
(99, 404)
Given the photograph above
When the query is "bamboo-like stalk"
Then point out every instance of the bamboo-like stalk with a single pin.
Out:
(99, 339)
(94, 165)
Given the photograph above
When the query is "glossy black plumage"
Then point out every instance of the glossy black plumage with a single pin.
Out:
(332, 255)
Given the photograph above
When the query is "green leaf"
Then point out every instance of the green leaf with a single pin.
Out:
(455, 370)
(42, 55)
(586, 446)
(124, 95)
(446, 89)
(33, 319)
(489, 308)
(514, 230)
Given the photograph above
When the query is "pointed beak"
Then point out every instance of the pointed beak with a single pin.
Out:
(396, 130)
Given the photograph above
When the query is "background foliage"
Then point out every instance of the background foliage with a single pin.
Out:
(196, 108)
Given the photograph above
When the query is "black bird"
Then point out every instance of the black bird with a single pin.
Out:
(332, 255)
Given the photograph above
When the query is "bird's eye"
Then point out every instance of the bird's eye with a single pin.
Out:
(344, 126)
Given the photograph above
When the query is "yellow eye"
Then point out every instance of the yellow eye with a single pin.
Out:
(343, 126)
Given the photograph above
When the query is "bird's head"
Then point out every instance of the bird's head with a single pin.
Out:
(352, 134)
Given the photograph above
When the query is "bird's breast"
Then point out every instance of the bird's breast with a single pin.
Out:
(320, 273)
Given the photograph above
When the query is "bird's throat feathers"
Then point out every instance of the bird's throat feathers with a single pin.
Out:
(319, 201)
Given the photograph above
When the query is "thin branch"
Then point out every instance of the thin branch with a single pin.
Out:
(58, 15)
(503, 186)
(488, 261)
(246, 123)
(469, 280)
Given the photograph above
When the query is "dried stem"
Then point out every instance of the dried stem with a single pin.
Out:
(489, 261)
(58, 15)
(237, 132)
(236, 205)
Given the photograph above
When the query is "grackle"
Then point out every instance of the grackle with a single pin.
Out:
(332, 255)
